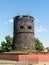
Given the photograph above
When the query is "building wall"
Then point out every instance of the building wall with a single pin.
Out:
(38, 58)
(8, 56)
(34, 58)
(23, 33)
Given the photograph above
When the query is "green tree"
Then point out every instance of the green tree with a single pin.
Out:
(7, 46)
(3, 46)
(38, 45)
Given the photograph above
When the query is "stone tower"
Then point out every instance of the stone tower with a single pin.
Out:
(23, 38)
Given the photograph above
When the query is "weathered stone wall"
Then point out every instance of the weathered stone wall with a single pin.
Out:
(23, 33)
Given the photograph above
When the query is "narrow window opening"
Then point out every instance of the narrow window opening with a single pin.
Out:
(21, 27)
(29, 27)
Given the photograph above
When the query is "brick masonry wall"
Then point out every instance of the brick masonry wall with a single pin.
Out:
(25, 58)
(34, 58)
(9, 57)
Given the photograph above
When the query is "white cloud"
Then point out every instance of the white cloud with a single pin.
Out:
(37, 20)
(46, 44)
(41, 29)
(11, 21)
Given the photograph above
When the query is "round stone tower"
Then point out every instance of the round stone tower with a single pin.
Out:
(23, 38)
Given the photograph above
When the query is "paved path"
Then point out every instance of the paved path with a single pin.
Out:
(5, 62)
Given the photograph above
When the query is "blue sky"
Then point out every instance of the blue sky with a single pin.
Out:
(39, 9)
